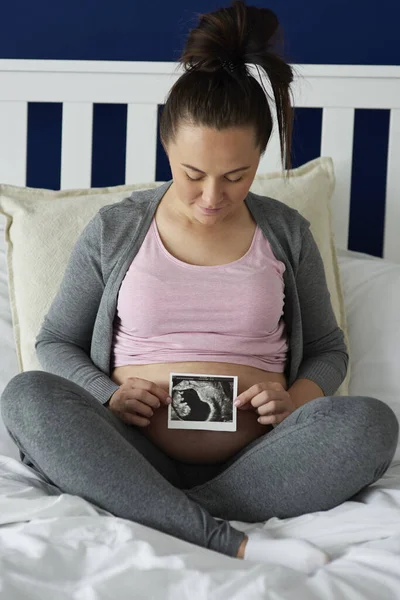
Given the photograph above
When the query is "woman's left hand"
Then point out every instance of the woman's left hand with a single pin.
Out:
(269, 399)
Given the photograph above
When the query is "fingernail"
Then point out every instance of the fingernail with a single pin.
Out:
(237, 403)
(169, 400)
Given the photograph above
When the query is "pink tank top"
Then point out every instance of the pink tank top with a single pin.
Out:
(172, 311)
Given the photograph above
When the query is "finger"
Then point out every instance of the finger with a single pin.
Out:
(273, 419)
(270, 396)
(257, 388)
(255, 402)
(247, 406)
(271, 408)
(145, 396)
(150, 386)
(131, 419)
(135, 406)
(246, 396)
(263, 397)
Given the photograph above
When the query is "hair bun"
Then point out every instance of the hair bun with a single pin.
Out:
(238, 34)
(230, 40)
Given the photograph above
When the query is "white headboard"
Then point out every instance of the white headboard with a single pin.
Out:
(337, 89)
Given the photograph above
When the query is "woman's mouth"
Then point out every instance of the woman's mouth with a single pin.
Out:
(210, 211)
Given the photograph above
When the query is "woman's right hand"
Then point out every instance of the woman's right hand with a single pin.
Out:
(136, 399)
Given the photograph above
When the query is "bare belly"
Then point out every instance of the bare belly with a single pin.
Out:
(194, 446)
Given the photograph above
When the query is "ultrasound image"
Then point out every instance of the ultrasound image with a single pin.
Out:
(207, 399)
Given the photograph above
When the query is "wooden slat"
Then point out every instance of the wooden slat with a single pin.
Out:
(161, 67)
(76, 149)
(271, 161)
(141, 143)
(152, 88)
(105, 88)
(345, 86)
(391, 249)
(337, 142)
(13, 142)
(347, 92)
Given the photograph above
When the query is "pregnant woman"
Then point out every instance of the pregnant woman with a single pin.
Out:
(200, 275)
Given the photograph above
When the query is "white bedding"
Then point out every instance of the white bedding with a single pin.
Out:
(59, 546)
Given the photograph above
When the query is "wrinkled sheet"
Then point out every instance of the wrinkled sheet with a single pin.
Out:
(56, 545)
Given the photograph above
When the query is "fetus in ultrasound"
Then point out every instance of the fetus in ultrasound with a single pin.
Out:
(208, 400)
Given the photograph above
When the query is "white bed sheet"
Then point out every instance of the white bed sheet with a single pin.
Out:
(61, 546)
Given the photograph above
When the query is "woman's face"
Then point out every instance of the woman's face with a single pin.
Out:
(209, 181)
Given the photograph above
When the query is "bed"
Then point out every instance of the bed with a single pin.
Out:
(55, 545)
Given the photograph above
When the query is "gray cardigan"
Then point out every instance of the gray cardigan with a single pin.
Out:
(76, 334)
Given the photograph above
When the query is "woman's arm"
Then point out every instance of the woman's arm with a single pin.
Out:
(64, 340)
(325, 356)
(304, 390)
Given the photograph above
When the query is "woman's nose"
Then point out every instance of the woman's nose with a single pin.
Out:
(212, 195)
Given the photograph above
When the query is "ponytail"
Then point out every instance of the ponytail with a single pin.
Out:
(217, 89)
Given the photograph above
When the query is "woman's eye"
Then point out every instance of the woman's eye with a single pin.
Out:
(230, 180)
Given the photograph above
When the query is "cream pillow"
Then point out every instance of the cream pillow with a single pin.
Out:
(43, 225)
(309, 190)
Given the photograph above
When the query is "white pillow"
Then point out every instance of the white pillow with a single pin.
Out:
(44, 225)
(309, 190)
(8, 355)
(371, 288)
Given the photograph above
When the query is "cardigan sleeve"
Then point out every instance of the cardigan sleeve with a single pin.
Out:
(325, 356)
(64, 341)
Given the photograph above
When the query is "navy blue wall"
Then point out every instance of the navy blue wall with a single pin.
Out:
(317, 31)
(323, 31)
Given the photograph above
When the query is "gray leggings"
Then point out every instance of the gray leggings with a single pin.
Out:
(324, 453)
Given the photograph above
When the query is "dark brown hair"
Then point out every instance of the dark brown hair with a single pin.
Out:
(211, 95)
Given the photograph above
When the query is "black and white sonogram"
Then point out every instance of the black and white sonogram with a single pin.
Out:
(202, 402)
